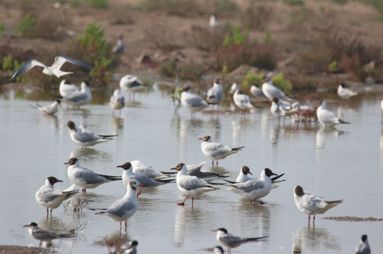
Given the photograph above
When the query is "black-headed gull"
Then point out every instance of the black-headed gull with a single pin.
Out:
(66, 88)
(280, 108)
(326, 117)
(190, 186)
(45, 235)
(231, 241)
(255, 189)
(271, 91)
(47, 196)
(54, 69)
(125, 207)
(312, 204)
(345, 92)
(50, 109)
(117, 101)
(245, 175)
(84, 137)
(216, 151)
(79, 97)
(85, 178)
(192, 101)
(215, 93)
(364, 246)
(242, 100)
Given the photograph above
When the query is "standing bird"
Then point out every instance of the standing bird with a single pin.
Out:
(50, 109)
(244, 175)
(213, 21)
(45, 235)
(143, 179)
(85, 178)
(50, 198)
(117, 101)
(80, 97)
(234, 87)
(215, 93)
(254, 189)
(242, 101)
(256, 91)
(231, 241)
(190, 186)
(280, 108)
(119, 47)
(125, 207)
(192, 101)
(54, 69)
(66, 88)
(84, 137)
(271, 91)
(326, 117)
(363, 247)
(131, 84)
(216, 151)
(312, 204)
(345, 92)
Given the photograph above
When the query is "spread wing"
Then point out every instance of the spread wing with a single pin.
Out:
(61, 60)
(26, 67)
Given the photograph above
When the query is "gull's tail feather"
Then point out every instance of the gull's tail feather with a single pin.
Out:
(333, 203)
(236, 149)
(343, 121)
(253, 239)
(232, 182)
(273, 179)
(169, 180)
(111, 178)
(107, 136)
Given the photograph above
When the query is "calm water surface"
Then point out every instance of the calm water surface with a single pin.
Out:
(344, 163)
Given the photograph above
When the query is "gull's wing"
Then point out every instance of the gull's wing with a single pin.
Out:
(88, 176)
(26, 67)
(76, 97)
(61, 60)
(193, 100)
(87, 136)
(120, 207)
(313, 202)
(250, 185)
(192, 183)
(44, 235)
(327, 116)
(216, 149)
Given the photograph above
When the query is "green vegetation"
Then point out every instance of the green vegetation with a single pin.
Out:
(8, 63)
(252, 78)
(235, 37)
(99, 4)
(27, 26)
(191, 71)
(2, 29)
(282, 83)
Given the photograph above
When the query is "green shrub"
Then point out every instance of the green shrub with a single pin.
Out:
(27, 26)
(294, 2)
(235, 37)
(2, 29)
(252, 78)
(333, 66)
(282, 83)
(8, 63)
(101, 70)
(168, 69)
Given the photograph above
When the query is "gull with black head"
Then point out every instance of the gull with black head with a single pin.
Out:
(85, 137)
(45, 235)
(216, 151)
(85, 178)
(47, 196)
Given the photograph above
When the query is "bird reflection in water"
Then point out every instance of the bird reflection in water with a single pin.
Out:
(115, 243)
(187, 218)
(118, 124)
(309, 239)
(323, 133)
(89, 153)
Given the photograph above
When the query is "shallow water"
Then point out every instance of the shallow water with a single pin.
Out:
(344, 163)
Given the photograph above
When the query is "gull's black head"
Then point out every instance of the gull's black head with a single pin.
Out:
(224, 230)
(179, 167)
(269, 173)
(87, 83)
(71, 161)
(32, 224)
(218, 81)
(246, 170)
(240, 92)
(299, 191)
(58, 101)
(185, 89)
(71, 125)
(275, 99)
(205, 138)
(134, 243)
(52, 180)
(125, 166)
(364, 238)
